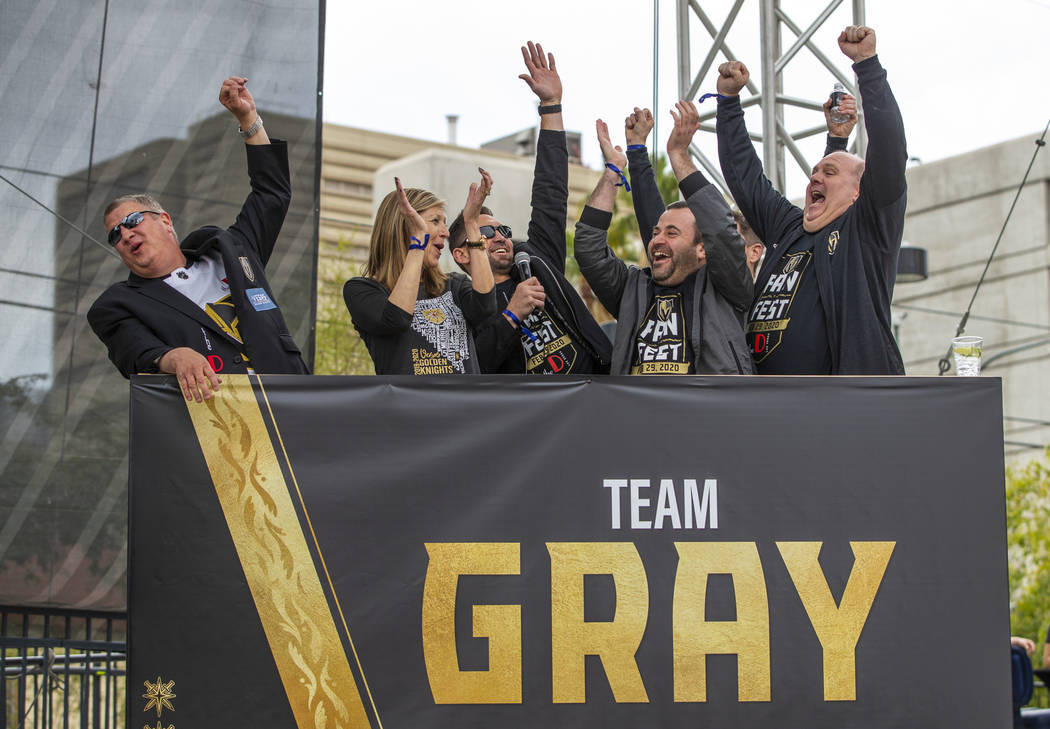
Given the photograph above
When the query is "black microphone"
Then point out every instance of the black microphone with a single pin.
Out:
(522, 261)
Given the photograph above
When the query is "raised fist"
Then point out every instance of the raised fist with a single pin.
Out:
(637, 125)
(857, 42)
(732, 76)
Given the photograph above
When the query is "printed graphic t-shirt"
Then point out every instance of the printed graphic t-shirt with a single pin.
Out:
(552, 352)
(786, 331)
(442, 340)
(661, 343)
(434, 340)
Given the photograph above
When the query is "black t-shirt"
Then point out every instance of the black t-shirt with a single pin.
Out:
(553, 352)
(786, 331)
(434, 340)
(661, 342)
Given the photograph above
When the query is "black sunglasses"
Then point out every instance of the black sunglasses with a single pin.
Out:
(489, 231)
(130, 221)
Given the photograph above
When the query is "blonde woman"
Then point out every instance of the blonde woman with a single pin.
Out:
(414, 318)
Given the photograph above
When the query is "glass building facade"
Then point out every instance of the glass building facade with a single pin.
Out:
(101, 98)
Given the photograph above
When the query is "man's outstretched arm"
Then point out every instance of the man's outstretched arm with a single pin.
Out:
(262, 215)
(645, 191)
(234, 95)
(726, 260)
(550, 181)
(883, 181)
(765, 209)
(606, 274)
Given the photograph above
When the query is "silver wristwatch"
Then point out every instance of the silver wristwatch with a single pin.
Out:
(251, 131)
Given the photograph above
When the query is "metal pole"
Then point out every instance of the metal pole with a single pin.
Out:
(656, 80)
(770, 37)
(685, 76)
(860, 143)
(776, 138)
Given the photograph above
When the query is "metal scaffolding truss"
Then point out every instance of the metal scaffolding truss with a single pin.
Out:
(769, 97)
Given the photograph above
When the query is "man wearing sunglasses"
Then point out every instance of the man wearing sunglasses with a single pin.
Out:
(543, 326)
(202, 306)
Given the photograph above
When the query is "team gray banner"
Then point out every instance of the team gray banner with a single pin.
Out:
(480, 552)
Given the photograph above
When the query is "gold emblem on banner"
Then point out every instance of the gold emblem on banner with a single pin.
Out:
(434, 316)
(159, 726)
(158, 695)
(273, 552)
(792, 262)
(833, 242)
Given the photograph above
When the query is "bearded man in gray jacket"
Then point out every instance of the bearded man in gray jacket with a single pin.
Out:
(685, 313)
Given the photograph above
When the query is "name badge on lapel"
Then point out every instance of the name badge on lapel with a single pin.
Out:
(260, 300)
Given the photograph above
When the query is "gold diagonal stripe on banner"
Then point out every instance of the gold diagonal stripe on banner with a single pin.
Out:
(275, 558)
(320, 555)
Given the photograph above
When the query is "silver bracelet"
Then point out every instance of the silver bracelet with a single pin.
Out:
(252, 130)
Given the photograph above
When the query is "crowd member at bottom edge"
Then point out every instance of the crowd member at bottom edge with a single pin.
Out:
(684, 314)
(414, 318)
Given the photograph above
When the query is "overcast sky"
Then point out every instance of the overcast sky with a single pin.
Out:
(966, 73)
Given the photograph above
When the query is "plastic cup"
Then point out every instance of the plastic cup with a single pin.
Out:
(967, 353)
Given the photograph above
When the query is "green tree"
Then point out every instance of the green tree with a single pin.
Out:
(339, 350)
(1028, 547)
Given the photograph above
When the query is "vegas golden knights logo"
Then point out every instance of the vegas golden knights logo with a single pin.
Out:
(434, 316)
(664, 310)
(792, 263)
(833, 242)
(247, 268)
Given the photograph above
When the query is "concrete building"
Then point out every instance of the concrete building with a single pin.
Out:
(956, 208)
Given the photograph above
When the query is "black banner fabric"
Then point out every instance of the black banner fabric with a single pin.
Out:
(492, 552)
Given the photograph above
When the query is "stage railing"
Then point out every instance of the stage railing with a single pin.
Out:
(62, 668)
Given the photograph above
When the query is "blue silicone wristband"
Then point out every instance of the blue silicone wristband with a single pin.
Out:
(623, 178)
(521, 326)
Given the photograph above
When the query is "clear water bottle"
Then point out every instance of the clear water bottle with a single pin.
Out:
(837, 92)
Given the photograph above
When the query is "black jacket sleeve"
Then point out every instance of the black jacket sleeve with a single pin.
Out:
(496, 339)
(726, 260)
(605, 273)
(132, 346)
(259, 222)
(648, 203)
(835, 144)
(883, 181)
(765, 209)
(550, 198)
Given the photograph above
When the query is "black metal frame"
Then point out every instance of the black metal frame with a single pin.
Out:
(49, 655)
